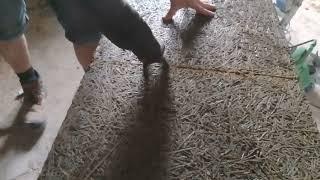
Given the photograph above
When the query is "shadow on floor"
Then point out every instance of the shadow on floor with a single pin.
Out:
(141, 155)
(19, 136)
(188, 31)
(192, 30)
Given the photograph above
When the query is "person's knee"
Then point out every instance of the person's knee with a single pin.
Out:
(80, 38)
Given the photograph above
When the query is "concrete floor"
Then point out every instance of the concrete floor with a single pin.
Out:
(53, 57)
(305, 24)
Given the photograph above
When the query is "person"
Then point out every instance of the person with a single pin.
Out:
(202, 8)
(84, 22)
(14, 50)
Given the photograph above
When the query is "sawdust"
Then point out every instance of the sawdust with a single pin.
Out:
(229, 108)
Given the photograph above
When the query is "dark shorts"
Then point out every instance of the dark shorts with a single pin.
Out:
(13, 19)
(75, 20)
(86, 20)
(78, 23)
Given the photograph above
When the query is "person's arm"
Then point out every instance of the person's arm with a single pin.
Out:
(205, 9)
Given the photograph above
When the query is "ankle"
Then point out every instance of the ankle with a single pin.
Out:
(28, 76)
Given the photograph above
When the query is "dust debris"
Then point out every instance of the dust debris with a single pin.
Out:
(247, 119)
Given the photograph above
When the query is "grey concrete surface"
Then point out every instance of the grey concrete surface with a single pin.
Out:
(53, 57)
(304, 25)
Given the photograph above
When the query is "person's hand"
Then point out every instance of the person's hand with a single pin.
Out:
(200, 7)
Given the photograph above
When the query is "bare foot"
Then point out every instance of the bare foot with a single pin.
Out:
(202, 8)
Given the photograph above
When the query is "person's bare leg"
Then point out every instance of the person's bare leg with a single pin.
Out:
(16, 54)
(85, 53)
